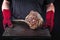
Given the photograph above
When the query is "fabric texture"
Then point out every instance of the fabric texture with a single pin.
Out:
(6, 18)
(50, 20)
(21, 8)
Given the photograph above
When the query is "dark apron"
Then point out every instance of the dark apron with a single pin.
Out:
(21, 8)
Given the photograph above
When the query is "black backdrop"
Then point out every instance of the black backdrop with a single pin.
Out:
(57, 18)
(56, 30)
(1, 28)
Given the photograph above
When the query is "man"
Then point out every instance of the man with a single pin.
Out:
(21, 8)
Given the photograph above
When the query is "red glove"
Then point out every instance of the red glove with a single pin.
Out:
(50, 19)
(6, 18)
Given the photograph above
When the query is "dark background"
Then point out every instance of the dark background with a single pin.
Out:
(56, 28)
(1, 28)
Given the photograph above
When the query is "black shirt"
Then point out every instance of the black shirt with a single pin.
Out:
(21, 8)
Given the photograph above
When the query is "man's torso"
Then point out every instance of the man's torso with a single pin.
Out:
(21, 8)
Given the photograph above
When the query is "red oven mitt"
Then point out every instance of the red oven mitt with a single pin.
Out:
(50, 19)
(6, 18)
